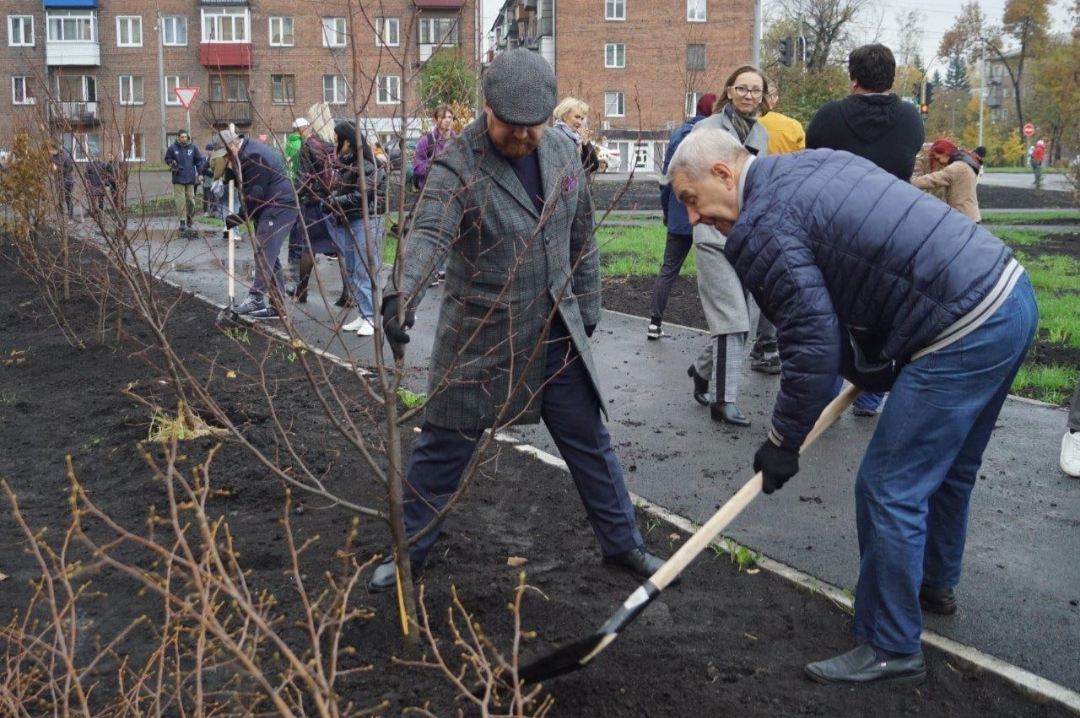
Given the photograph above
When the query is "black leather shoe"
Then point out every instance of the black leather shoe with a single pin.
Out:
(701, 387)
(863, 665)
(728, 413)
(938, 600)
(638, 561)
(384, 577)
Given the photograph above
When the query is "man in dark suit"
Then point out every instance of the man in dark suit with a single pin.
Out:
(269, 204)
(509, 203)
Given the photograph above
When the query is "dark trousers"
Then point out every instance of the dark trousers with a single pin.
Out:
(1074, 410)
(571, 412)
(675, 251)
(271, 229)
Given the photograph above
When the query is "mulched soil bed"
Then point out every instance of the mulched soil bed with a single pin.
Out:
(722, 643)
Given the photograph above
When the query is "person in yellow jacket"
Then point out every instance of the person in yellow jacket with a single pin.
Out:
(786, 134)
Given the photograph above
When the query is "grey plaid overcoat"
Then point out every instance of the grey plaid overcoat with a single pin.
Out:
(508, 267)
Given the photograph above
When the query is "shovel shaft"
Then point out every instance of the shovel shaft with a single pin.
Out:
(232, 251)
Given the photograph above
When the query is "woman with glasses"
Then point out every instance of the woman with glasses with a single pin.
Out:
(736, 111)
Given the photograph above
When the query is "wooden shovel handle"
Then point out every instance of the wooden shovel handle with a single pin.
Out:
(727, 513)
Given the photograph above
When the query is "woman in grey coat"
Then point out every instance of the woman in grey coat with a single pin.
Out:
(722, 296)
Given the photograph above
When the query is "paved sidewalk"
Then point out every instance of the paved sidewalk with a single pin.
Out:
(1023, 557)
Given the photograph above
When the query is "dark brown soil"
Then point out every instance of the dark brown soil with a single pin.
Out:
(994, 197)
(723, 643)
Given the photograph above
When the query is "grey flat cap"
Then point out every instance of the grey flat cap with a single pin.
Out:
(520, 88)
(224, 139)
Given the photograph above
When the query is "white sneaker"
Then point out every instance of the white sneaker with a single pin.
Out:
(354, 325)
(1070, 454)
(367, 329)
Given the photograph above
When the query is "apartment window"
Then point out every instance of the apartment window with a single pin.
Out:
(71, 26)
(20, 30)
(229, 88)
(132, 147)
(438, 31)
(334, 89)
(171, 83)
(695, 57)
(175, 31)
(83, 146)
(615, 54)
(281, 32)
(76, 88)
(226, 25)
(614, 9)
(695, 10)
(387, 31)
(131, 90)
(692, 99)
(20, 91)
(283, 89)
(389, 90)
(614, 104)
(333, 32)
(128, 31)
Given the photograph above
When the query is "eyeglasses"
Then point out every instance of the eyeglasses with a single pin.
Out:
(751, 91)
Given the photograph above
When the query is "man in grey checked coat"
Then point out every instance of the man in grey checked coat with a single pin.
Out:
(508, 202)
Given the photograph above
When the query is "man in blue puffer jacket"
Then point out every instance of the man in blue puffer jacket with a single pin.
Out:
(853, 264)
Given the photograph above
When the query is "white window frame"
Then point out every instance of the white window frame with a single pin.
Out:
(132, 99)
(340, 88)
(176, 23)
(387, 32)
(129, 140)
(22, 21)
(614, 104)
(388, 90)
(696, 10)
(339, 27)
(170, 97)
(89, 17)
(692, 98)
(615, 55)
(281, 21)
(429, 31)
(27, 98)
(133, 22)
(291, 100)
(615, 10)
(214, 19)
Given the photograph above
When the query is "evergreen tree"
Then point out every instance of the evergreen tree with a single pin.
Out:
(956, 77)
(936, 79)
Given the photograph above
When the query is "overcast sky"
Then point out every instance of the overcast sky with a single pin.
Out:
(937, 15)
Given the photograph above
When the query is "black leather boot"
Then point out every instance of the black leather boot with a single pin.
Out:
(938, 600)
(701, 386)
(864, 665)
(638, 561)
(728, 412)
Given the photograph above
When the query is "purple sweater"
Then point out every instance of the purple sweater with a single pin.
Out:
(423, 156)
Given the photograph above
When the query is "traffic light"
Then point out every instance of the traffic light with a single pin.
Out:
(786, 51)
(924, 108)
(929, 99)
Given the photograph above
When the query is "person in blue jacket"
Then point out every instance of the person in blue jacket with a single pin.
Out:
(865, 275)
(269, 204)
(185, 161)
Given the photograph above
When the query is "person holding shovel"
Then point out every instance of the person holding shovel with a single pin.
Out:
(867, 276)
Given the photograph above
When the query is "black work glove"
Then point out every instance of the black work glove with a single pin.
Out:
(233, 221)
(589, 329)
(776, 465)
(395, 331)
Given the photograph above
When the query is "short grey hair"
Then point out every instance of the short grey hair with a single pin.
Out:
(703, 148)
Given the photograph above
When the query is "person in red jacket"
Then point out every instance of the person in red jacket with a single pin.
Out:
(1038, 155)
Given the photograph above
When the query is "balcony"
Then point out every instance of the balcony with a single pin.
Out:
(439, 4)
(68, 114)
(71, 4)
(221, 113)
(224, 2)
(428, 49)
(225, 54)
(72, 54)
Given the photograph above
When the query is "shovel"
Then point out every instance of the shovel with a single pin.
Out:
(228, 314)
(577, 654)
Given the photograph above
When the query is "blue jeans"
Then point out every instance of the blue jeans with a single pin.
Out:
(914, 486)
(353, 242)
(571, 412)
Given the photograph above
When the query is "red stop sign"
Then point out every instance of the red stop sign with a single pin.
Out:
(1029, 130)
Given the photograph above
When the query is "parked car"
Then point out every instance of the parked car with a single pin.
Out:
(610, 159)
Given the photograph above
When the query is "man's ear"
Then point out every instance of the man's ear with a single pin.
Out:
(723, 172)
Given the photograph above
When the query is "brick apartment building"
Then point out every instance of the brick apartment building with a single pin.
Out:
(640, 64)
(89, 70)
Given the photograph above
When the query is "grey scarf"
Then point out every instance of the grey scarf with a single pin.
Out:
(742, 123)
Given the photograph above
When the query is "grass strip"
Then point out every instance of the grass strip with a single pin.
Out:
(636, 251)
(1053, 383)
(1044, 217)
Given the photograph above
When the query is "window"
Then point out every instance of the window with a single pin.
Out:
(20, 91)
(132, 146)
(387, 31)
(695, 57)
(128, 31)
(229, 88)
(226, 25)
(614, 104)
(691, 102)
(131, 90)
(71, 26)
(389, 90)
(175, 31)
(171, 83)
(334, 89)
(21, 30)
(695, 10)
(642, 156)
(333, 32)
(438, 31)
(614, 9)
(283, 89)
(615, 54)
(76, 88)
(83, 146)
(281, 32)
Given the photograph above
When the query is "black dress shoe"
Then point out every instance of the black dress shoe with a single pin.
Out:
(701, 387)
(638, 561)
(863, 665)
(728, 413)
(384, 577)
(938, 600)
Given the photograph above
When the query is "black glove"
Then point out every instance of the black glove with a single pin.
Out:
(395, 332)
(233, 220)
(589, 329)
(776, 465)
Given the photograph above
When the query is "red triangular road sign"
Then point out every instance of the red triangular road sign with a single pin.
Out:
(186, 95)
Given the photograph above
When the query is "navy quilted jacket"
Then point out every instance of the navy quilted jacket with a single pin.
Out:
(826, 238)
